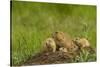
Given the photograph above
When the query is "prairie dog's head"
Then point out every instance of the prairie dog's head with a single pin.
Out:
(58, 35)
(49, 41)
(76, 40)
(50, 44)
(81, 42)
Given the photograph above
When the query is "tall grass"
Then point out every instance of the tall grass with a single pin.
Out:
(33, 22)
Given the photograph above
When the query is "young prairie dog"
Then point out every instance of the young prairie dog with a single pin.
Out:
(82, 42)
(50, 45)
(63, 40)
(62, 49)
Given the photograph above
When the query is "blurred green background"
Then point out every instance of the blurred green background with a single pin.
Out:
(33, 22)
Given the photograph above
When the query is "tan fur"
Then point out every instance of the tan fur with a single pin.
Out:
(63, 40)
(50, 44)
(82, 42)
(63, 49)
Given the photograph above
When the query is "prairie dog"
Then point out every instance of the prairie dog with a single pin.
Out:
(63, 49)
(62, 40)
(50, 44)
(82, 42)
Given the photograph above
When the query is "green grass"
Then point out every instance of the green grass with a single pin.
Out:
(33, 22)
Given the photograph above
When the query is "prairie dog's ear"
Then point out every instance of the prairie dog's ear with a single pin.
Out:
(54, 33)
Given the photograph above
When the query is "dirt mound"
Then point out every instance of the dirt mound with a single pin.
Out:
(54, 58)
(51, 58)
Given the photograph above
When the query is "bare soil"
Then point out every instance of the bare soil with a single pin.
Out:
(53, 58)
